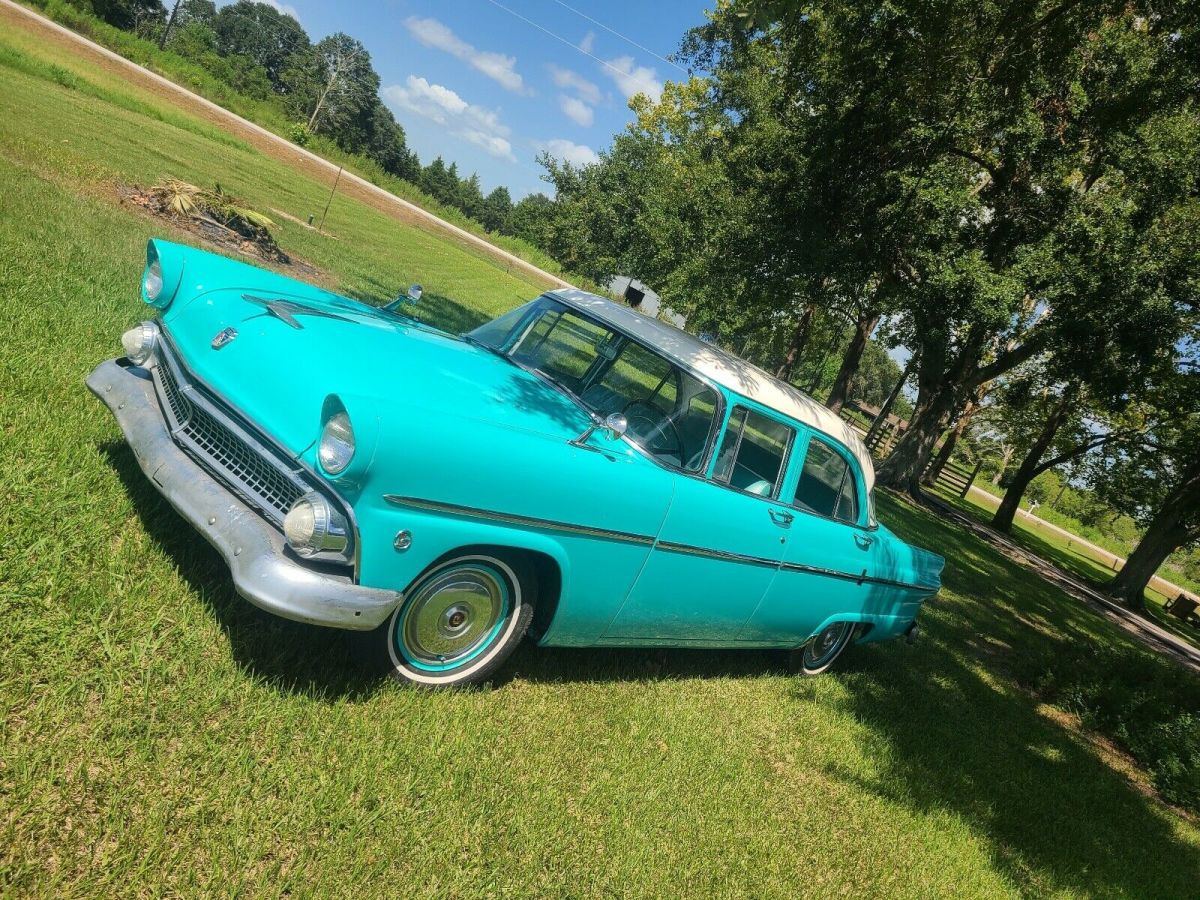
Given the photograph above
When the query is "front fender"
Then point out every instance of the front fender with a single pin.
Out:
(433, 535)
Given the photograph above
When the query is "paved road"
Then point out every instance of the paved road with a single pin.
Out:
(271, 143)
(1138, 627)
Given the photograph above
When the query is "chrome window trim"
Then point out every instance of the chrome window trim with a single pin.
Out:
(784, 461)
(718, 412)
(848, 457)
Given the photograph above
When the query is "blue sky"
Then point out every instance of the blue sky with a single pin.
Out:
(474, 82)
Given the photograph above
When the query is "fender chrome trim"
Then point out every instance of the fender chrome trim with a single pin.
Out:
(522, 521)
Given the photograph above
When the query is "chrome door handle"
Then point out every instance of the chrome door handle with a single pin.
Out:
(863, 541)
(781, 517)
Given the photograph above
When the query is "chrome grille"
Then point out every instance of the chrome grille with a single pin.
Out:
(249, 470)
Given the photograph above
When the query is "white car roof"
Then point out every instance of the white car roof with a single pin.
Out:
(723, 368)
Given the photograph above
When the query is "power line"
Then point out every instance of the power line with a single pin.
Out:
(628, 40)
(559, 37)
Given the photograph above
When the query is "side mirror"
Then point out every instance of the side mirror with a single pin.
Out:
(409, 298)
(614, 426)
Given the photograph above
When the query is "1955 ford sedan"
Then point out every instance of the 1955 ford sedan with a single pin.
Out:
(573, 469)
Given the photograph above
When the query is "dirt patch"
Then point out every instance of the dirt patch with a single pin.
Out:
(221, 225)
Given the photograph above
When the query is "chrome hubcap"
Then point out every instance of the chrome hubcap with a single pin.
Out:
(453, 614)
(824, 644)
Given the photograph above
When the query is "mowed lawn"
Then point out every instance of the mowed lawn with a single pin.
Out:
(161, 736)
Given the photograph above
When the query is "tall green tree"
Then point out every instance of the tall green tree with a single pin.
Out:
(261, 33)
(943, 160)
(497, 211)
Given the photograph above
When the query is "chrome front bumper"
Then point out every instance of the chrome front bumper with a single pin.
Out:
(262, 571)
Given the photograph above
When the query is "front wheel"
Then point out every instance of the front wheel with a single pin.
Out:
(823, 650)
(460, 620)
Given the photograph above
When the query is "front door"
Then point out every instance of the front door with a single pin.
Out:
(720, 546)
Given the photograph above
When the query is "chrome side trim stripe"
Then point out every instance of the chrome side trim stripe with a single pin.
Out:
(864, 578)
(525, 521)
(690, 550)
(642, 539)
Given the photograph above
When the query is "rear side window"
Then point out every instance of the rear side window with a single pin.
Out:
(827, 485)
(752, 453)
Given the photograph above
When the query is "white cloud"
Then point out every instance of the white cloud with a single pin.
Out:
(497, 66)
(573, 81)
(588, 42)
(286, 8)
(633, 79)
(475, 124)
(576, 110)
(568, 151)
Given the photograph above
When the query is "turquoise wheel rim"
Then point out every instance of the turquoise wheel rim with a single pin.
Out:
(453, 617)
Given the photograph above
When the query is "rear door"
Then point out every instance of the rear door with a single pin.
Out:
(831, 555)
(720, 545)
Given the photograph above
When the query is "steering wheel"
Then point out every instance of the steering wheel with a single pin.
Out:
(658, 422)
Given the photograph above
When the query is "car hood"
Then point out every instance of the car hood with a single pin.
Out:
(292, 350)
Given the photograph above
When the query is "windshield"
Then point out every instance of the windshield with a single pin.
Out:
(670, 413)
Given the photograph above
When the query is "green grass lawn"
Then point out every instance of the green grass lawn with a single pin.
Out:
(161, 736)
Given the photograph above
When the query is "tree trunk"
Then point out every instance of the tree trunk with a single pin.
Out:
(1168, 531)
(902, 470)
(162, 41)
(839, 393)
(1004, 461)
(948, 445)
(797, 344)
(1030, 467)
(886, 410)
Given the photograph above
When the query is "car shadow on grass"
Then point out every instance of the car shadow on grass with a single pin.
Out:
(958, 736)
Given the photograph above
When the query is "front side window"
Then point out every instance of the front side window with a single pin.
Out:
(670, 413)
(827, 486)
(753, 452)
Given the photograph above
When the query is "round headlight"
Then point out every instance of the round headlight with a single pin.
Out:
(152, 282)
(139, 342)
(313, 526)
(337, 444)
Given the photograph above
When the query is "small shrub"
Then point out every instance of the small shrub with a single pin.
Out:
(299, 134)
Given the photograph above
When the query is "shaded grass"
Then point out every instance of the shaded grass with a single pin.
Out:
(162, 736)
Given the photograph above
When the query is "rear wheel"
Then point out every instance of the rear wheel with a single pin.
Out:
(826, 646)
(461, 619)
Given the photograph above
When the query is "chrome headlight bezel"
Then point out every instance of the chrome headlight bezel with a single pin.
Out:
(152, 280)
(313, 526)
(336, 447)
(140, 341)
(163, 273)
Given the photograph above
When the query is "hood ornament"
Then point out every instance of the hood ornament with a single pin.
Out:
(223, 337)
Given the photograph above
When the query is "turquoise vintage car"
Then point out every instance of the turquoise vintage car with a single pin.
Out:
(573, 469)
